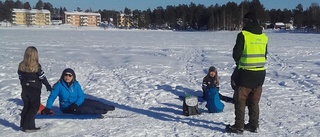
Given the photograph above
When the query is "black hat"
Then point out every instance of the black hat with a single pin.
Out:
(70, 71)
(251, 16)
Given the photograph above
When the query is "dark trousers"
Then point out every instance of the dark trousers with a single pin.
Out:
(31, 102)
(251, 97)
(91, 107)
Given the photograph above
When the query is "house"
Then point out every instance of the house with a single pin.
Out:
(82, 19)
(279, 25)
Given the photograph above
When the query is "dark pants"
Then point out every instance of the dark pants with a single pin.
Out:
(91, 107)
(251, 96)
(31, 102)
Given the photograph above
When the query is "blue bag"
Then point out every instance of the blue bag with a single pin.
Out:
(214, 103)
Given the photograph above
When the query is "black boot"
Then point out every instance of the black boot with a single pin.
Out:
(249, 127)
(234, 129)
(31, 130)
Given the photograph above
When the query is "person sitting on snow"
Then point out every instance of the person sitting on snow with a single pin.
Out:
(71, 97)
(210, 80)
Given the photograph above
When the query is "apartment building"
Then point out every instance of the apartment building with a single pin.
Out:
(125, 21)
(82, 18)
(31, 17)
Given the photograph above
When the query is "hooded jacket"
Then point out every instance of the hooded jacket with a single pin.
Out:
(247, 78)
(67, 94)
(208, 81)
(35, 79)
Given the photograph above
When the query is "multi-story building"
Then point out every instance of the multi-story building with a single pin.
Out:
(31, 17)
(82, 18)
(125, 21)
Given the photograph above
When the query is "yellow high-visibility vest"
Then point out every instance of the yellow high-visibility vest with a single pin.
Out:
(253, 55)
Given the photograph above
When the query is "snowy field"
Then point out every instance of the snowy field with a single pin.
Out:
(142, 73)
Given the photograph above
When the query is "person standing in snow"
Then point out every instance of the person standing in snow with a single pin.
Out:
(210, 80)
(31, 79)
(249, 54)
(71, 97)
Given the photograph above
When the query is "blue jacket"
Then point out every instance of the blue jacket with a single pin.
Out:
(67, 95)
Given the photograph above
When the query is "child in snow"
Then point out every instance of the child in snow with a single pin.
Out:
(210, 80)
(71, 97)
(31, 79)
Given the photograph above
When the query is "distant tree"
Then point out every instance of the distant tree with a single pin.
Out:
(170, 16)
(55, 15)
(190, 15)
(127, 11)
(200, 17)
(88, 10)
(18, 4)
(7, 10)
(107, 14)
(158, 14)
(232, 16)
(286, 15)
(298, 15)
(259, 9)
(211, 22)
(27, 6)
(145, 20)
(313, 15)
(136, 17)
(62, 10)
(48, 6)
(244, 8)
(181, 14)
(78, 9)
(39, 5)
(275, 15)
(1, 11)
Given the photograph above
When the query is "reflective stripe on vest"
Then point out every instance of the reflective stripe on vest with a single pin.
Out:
(253, 54)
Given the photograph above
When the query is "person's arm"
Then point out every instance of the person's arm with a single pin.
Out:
(20, 75)
(53, 95)
(238, 48)
(266, 51)
(43, 78)
(204, 84)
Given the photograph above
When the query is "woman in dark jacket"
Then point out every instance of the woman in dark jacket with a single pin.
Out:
(31, 79)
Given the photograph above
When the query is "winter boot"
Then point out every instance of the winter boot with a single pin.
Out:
(249, 127)
(31, 130)
(234, 129)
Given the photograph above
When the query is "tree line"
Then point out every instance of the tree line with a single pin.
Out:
(188, 16)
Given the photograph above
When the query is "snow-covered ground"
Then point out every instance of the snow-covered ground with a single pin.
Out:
(142, 73)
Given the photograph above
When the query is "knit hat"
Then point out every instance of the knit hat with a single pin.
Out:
(212, 68)
(70, 71)
(251, 16)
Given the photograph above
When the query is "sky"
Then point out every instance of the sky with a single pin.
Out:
(119, 5)
(143, 73)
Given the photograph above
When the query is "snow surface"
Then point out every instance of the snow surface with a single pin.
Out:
(142, 73)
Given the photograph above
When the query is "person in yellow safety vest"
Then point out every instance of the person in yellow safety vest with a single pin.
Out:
(249, 54)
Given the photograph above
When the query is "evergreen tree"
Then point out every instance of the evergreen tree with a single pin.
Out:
(27, 6)
(39, 5)
(48, 6)
(18, 4)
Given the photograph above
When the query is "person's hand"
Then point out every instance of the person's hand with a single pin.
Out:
(46, 111)
(49, 88)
